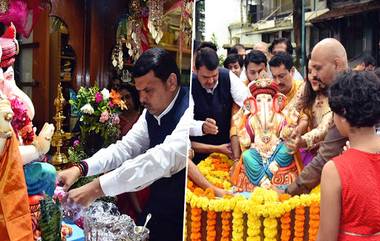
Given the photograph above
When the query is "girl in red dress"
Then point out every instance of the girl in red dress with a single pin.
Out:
(350, 184)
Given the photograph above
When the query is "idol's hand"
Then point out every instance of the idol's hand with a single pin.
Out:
(43, 139)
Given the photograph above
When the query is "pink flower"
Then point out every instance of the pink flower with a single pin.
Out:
(98, 97)
(115, 119)
(76, 143)
(111, 104)
(104, 117)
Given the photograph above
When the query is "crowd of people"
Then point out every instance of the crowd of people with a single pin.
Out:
(321, 129)
(334, 139)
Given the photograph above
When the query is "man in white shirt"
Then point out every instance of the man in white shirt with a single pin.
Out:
(152, 153)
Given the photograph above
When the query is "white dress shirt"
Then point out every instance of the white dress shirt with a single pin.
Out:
(239, 93)
(297, 75)
(134, 165)
(243, 75)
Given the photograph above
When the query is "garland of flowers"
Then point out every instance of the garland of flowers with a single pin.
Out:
(21, 123)
(237, 224)
(313, 221)
(196, 224)
(185, 225)
(262, 203)
(270, 229)
(216, 170)
(211, 224)
(240, 205)
(285, 221)
(226, 225)
(299, 223)
(211, 217)
(254, 227)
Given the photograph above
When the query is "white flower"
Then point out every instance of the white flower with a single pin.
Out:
(105, 93)
(87, 109)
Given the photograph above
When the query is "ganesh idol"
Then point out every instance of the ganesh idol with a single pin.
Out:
(262, 129)
(40, 176)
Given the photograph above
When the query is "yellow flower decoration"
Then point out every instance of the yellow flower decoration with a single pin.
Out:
(263, 205)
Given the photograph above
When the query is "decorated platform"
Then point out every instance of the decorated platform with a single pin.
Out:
(260, 215)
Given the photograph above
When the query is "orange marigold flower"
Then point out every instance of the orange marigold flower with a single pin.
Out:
(116, 99)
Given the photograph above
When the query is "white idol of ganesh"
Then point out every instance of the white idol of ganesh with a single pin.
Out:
(15, 216)
(9, 88)
(261, 129)
(40, 177)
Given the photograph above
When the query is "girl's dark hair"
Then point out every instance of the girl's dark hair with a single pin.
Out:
(133, 92)
(356, 97)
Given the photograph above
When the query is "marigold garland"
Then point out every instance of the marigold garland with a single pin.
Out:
(196, 224)
(254, 227)
(299, 223)
(185, 225)
(270, 229)
(285, 221)
(211, 223)
(237, 224)
(216, 170)
(226, 226)
(313, 221)
(262, 203)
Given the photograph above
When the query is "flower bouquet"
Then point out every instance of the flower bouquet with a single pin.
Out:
(98, 113)
(99, 119)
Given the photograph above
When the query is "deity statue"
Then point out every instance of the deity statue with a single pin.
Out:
(15, 216)
(40, 176)
(262, 127)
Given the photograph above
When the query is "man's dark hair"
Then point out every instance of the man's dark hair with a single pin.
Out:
(368, 60)
(233, 58)
(206, 57)
(281, 58)
(356, 97)
(133, 92)
(235, 49)
(158, 60)
(207, 44)
(255, 56)
(289, 47)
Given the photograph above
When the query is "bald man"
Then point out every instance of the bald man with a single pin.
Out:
(328, 59)
(263, 47)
